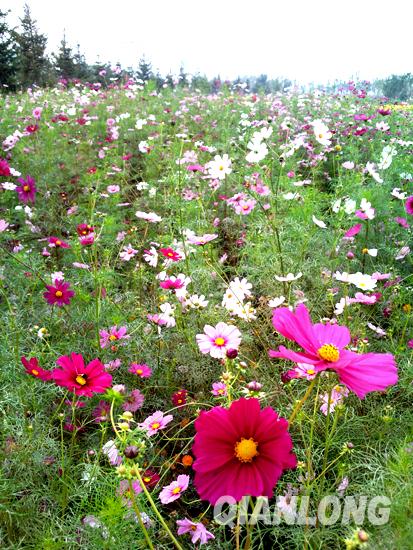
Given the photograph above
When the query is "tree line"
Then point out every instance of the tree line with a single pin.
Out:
(24, 63)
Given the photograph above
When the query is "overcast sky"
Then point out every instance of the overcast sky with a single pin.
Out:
(304, 40)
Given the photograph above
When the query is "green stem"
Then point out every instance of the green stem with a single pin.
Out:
(298, 406)
(138, 514)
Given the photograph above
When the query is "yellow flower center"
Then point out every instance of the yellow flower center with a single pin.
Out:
(58, 294)
(320, 136)
(310, 371)
(176, 490)
(155, 425)
(26, 188)
(365, 251)
(35, 372)
(221, 168)
(80, 379)
(219, 341)
(58, 243)
(146, 479)
(246, 449)
(139, 371)
(113, 337)
(329, 352)
(170, 254)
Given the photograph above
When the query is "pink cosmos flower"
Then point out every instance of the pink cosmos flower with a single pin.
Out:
(113, 189)
(112, 336)
(409, 205)
(3, 225)
(110, 450)
(26, 191)
(101, 412)
(337, 396)
(198, 531)
(127, 253)
(87, 240)
(81, 379)
(403, 222)
(157, 421)
(55, 242)
(240, 451)
(324, 348)
(143, 371)
(134, 401)
(58, 294)
(125, 493)
(219, 389)
(218, 340)
(244, 207)
(353, 231)
(203, 239)
(174, 490)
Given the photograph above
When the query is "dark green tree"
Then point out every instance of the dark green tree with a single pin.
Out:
(144, 71)
(183, 77)
(64, 61)
(398, 86)
(8, 55)
(34, 67)
(83, 70)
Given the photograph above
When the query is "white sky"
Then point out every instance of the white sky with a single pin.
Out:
(305, 40)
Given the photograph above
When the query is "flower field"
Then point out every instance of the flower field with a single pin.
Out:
(206, 299)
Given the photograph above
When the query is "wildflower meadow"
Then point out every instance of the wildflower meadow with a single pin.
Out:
(206, 318)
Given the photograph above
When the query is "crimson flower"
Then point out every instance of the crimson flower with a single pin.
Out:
(324, 348)
(84, 229)
(240, 451)
(26, 190)
(4, 168)
(58, 293)
(171, 254)
(55, 242)
(81, 379)
(34, 369)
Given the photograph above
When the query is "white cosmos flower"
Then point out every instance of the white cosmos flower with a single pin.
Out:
(219, 167)
(289, 277)
(319, 223)
(362, 281)
(276, 302)
(322, 133)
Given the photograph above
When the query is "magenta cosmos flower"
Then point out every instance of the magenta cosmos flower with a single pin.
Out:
(81, 379)
(55, 242)
(240, 451)
(409, 205)
(58, 293)
(111, 336)
(143, 371)
(324, 349)
(26, 191)
(218, 340)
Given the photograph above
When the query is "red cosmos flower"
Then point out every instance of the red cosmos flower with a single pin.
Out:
(4, 168)
(324, 348)
(179, 398)
(55, 242)
(170, 254)
(240, 451)
(81, 379)
(150, 478)
(84, 229)
(33, 368)
(58, 293)
(32, 128)
(27, 190)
